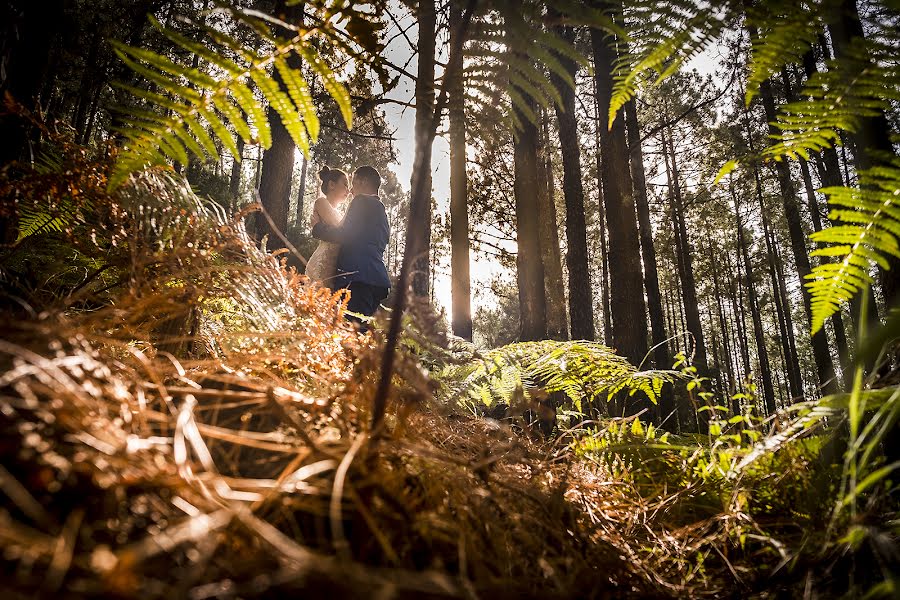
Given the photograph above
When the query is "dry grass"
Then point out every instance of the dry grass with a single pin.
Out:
(206, 435)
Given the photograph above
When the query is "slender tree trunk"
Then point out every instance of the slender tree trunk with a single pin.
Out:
(301, 192)
(723, 326)
(234, 186)
(554, 287)
(629, 321)
(460, 284)
(420, 246)
(278, 160)
(648, 252)
(821, 354)
(685, 261)
(783, 310)
(837, 322)
(581, 310)
(87, 85)
(776, 274)
(737, 308)
(601, 227)
(529, 265)
(762, 353)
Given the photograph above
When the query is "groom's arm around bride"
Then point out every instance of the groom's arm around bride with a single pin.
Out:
(363, 236)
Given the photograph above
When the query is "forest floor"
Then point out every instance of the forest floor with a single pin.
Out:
(203, 431)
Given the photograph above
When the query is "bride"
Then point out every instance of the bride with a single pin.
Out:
(322, 265)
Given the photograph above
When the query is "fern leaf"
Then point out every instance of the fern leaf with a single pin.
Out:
(872, 234)
(300, 94)
(334, 87)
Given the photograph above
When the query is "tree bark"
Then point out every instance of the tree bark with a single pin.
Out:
(837, 321)
(683, 253)
(762, 353)
(648, 252)
(723, 326)
(601, 227)
(629, 322)
(234, 185)
(460, 284)
(581, 310)
(821, 354)
(420, 246)
(554, 287)
(278, 160)
(529, 265)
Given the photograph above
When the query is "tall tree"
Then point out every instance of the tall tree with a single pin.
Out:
(554, 288)
(821, 354)
(629, 324)
(648, 252)
(529, 263)
(420, 246)
(460, 285)
(278, 161)
(837, 321)
(762, 354)
(684, 261)
(872, 138)
(581, 313)
(601, 228)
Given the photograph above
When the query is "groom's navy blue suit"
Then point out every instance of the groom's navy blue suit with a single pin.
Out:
(363, 236)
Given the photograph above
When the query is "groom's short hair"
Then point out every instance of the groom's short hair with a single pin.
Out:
(369, 174)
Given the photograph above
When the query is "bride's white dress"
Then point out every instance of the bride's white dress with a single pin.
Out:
(322, 265)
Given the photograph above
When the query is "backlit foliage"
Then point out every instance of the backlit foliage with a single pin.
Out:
(189, 111)
(586, 372)
(863, 82)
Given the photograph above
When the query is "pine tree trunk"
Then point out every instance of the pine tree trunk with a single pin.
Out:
(821, 354)
(783, 310)
(278, 160)
(529, 265)
(762, 354)
(234, 186)
(629, 321)
(460, 284)
(648, 252)
(776, 274)
(581, 310)
(837, 321)
(601, 228)
(420, 245)
(723, 326)
(737, 309)
(554, 287)
(301, 192)
(684, 259)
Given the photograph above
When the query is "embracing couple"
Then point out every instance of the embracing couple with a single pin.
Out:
(350, 253)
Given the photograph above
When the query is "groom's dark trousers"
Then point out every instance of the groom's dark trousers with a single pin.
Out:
(363, 236)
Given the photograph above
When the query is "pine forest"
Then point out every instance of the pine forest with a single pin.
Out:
(450, 298)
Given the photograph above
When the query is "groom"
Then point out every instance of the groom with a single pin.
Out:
(363, 236)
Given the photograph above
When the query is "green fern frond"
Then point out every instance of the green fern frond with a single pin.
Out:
(871, 233)
(583, 371)
(666, 36)
(862, 84)
(510, 41)
(191, 109)
(785, 31)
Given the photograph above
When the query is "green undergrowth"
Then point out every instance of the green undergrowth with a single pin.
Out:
(772, 503)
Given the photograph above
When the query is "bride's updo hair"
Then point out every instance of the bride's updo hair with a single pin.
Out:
(328, 175)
